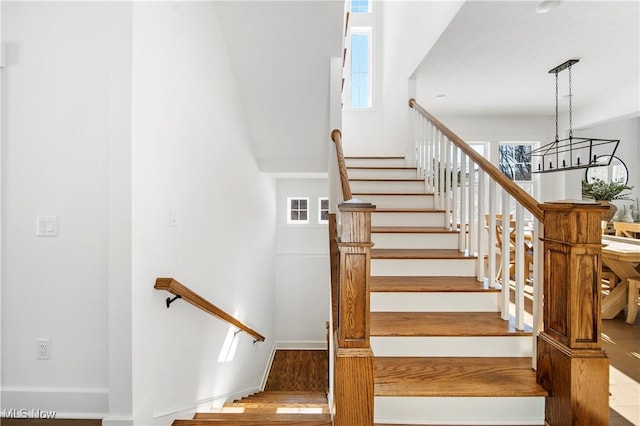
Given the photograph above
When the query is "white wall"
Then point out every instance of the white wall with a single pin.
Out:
(406, 30)
(192, 153)
(302, 269)
(66, 91)
(628, 151)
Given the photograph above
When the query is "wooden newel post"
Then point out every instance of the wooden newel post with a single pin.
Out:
(571, 365)
(353, 385)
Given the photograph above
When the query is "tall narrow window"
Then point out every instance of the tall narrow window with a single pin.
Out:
(360, 6)
(514, 160)
(297, 210)
(361, 68)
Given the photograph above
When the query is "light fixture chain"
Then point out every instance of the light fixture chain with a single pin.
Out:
(557, 106)
(570, 106)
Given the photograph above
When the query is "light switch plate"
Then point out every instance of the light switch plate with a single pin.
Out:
(47, 226)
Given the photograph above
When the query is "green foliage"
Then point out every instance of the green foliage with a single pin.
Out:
(605, 191)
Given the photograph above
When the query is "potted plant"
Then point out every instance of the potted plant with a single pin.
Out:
(605, 192)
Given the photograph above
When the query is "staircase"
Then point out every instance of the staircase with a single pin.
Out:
(442, 353)
(268, 408)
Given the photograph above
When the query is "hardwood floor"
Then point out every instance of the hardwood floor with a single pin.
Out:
(621, 341)
(299, 370)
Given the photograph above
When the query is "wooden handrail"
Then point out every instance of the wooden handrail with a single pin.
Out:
(516, 192)
(336, 137)
(177, 289)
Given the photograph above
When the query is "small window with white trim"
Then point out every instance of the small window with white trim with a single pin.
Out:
(297, 210)
(323, 210)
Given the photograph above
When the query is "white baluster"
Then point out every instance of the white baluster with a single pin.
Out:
(492, 232)
(455, 189)
(472, 208)
(462, 237)
(447, 182)
(505, 251)
(520, 267)
(480, 227)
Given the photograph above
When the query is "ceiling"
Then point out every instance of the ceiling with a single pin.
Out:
(494, 58)
(280, 52)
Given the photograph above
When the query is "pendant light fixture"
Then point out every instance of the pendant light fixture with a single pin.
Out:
(573, 152)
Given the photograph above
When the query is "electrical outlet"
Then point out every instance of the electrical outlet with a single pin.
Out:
(43, 348)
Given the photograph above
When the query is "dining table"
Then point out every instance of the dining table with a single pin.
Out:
(622, 256)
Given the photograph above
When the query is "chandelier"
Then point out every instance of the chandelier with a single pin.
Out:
(573, 152)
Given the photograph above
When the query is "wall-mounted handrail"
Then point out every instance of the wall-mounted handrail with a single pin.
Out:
(519, 194)
(336, 137)
(185, 293)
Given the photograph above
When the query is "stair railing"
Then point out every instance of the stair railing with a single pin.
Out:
(473, 193)
(180, 291)
(351, 357)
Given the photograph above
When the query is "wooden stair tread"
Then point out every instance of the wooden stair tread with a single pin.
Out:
(420, 194)
(455, 376)
(286, 399)
(412, 230)
(386, 180)
(428, 284)
(418, 254)
(256, 419)
(274, 404)
(288, 394)
(381, 168)
(452, 324)
(405, 210)
(374, 158)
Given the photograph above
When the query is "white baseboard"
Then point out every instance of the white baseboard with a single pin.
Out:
(204, 404)
(302, 345)
(117, 421)
(68, 403)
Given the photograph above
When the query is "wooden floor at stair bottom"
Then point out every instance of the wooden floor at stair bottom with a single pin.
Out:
(455, 377)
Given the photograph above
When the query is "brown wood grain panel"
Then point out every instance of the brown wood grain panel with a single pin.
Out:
(336, 137)
(451, 376)
(428, 284)
(354, 315)
(334, 260)
(419, 254)
(442, 324)
(353, 389)
(299, 371)
(574, 380)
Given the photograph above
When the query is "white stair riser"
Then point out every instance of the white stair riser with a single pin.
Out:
(421, 201)
(435, 302)
(415, 241)
(407, 219)
(387, 186)
(375, 162)
(445, 346)
(460, 410)
(382, 173)
(423, 267)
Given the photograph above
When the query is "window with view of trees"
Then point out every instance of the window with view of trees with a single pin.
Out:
(515, 161)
